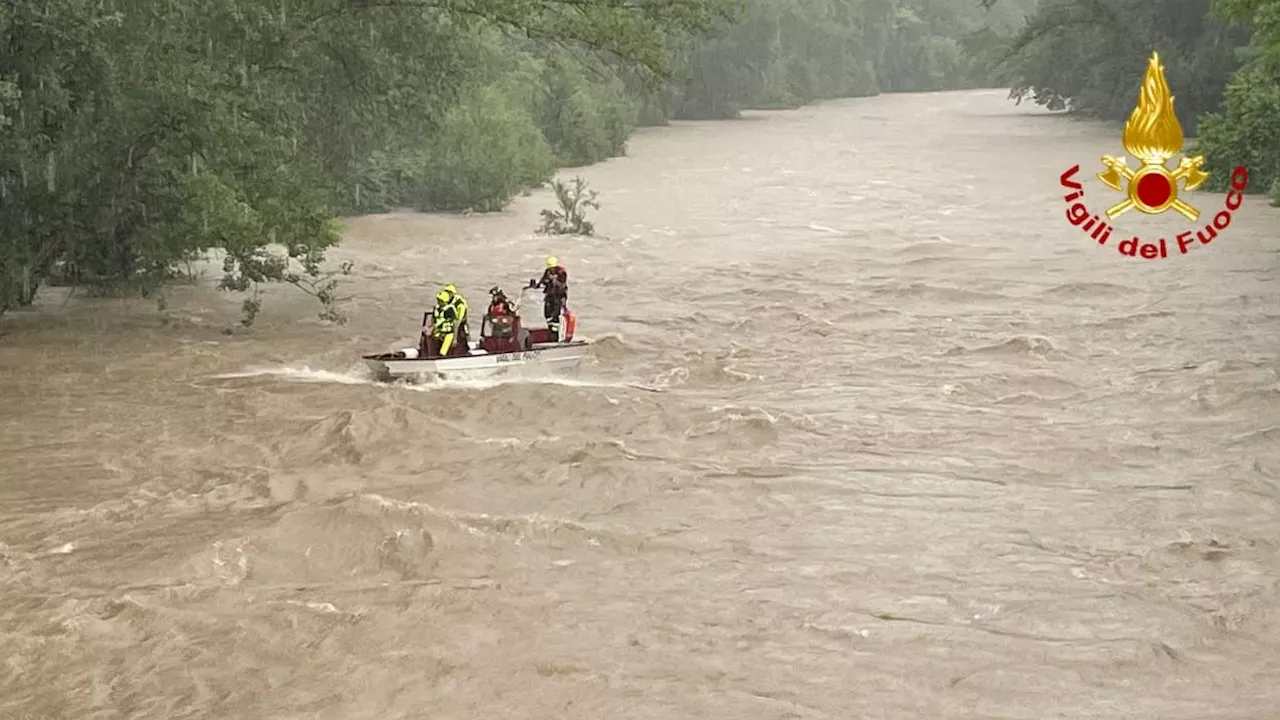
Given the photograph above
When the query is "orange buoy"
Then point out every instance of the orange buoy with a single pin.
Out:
(570, 322)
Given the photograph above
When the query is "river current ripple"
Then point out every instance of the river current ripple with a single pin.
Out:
(872, 432)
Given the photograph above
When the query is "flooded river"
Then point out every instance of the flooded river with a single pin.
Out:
(871, 432)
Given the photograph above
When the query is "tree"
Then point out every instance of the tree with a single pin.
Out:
(142, 133)
(1222, 56)
(1247, 130)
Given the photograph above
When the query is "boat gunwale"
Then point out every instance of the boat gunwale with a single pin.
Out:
(477, 354)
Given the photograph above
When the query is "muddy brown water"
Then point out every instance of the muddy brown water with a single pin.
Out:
(870, 432)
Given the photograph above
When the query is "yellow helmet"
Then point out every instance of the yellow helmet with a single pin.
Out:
(451, 289)
(443, 296)
(551, 261)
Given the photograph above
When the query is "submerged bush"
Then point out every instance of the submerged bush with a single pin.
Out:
(570, 218)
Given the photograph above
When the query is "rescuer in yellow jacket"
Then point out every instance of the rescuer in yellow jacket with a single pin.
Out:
(449, 324)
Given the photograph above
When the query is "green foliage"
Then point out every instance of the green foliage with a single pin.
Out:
(571, 218)
(790, 52)
(586, 118)
(1263, 17)
(1221, 57)
(487, 151)
(137, 137)
(1089, 56)
(299, 266)
(141, 134)
(1247, 132)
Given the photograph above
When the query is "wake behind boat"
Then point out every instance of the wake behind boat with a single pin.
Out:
(504, 344)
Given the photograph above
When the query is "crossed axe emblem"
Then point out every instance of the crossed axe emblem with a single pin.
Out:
(1188, 170)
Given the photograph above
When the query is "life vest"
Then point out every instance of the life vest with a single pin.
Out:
(555, 273)
(459, 305)
(555, 281)
(450, 314)
(443, 319)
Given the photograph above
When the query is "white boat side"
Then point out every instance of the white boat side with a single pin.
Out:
(551, 354)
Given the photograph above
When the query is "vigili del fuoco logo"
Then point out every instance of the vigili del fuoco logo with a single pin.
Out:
(1153, 136)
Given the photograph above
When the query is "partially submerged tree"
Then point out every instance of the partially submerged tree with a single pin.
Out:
(570, 218)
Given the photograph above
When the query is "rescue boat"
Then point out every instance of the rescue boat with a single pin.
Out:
(504, 344)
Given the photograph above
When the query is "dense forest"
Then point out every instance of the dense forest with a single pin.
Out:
(1221, 57)
(137, 136)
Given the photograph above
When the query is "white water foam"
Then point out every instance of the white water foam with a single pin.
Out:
(514, 376)
(301, 373)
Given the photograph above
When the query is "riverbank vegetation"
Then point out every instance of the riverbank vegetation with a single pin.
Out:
(1221, 58)
(136, 137)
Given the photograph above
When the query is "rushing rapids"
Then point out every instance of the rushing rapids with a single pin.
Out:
(908, 449)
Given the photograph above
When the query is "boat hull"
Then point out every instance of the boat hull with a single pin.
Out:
(479, 362)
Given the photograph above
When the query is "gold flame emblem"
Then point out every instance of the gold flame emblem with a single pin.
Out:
(1153, 135)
